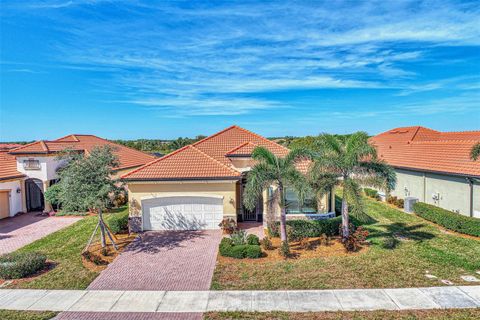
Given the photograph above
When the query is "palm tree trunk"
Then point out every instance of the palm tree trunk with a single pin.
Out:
(283, 216)
(345, 222)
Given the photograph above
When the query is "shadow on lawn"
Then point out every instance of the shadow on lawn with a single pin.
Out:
(397, 232)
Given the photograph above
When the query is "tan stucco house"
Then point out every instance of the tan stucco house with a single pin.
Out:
(198, 185)
(26, 171)
(433, 166)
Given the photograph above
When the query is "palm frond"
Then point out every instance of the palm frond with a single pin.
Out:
(379, 173)
(298, 154)
(475, 152)
(330, 144)
(353, 194)
(259, 178)
(262, 154)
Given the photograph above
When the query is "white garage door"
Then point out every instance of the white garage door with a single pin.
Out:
(182, 213)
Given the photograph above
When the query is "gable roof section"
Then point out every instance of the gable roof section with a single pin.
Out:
(207, 158)
(128, 157)
(186, 163)
(8, 167)
(424, 149)
(9, 146)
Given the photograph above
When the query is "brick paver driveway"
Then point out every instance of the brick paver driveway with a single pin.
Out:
(23, 229)
(167, 260)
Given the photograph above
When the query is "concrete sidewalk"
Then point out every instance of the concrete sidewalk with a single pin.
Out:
(202, 301)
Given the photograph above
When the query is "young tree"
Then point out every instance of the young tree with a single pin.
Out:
(350, 161)
(475, 152)
(272, 170)
(87, 184)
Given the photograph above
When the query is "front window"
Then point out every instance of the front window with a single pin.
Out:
(31, 164)
(293, 205)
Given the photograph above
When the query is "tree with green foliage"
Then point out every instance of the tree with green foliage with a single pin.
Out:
(349, 161)
(475, 152)
(281, 172)
(86, 183)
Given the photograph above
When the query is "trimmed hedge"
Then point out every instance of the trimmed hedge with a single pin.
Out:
(118, 222)
(372, 193)
(448, 219)
(228, 249)
(253, 240)
(21, 265)
(310, 228)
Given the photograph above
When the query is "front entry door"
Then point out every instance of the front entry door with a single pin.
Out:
(250, 215)
(34, 195)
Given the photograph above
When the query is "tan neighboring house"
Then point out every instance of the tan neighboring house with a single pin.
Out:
(198, 185)
(433, 166)
(26, 171)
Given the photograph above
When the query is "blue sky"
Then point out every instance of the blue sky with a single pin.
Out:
(160, 69)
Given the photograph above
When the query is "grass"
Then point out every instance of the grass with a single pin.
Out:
(452, 314)
(403, 248)
(64, 248)
(26, 315)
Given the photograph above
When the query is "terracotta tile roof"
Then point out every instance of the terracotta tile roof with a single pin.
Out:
(8, 146)
(425, 149)
(185, 163)
(207, 158)
(128, 157)
(8, 167)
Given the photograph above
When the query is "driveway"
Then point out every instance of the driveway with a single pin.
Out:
(21, 230)
(165, 260)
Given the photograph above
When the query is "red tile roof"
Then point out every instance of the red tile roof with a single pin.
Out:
(207, 158)
(8, 167)
(429, 150)
(128, 157)
(8, 146)
(245, 149)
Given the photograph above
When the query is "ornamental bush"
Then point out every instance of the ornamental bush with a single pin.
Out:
(21, 265)
(118, 222)
(253, 239)
(371, 193)
(228, 248)
(448, 219)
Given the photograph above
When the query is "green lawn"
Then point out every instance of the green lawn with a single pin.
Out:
(403, 248)
(26, 315)
(64, 247)
(452, 314)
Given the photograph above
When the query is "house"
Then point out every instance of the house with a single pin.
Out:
(195, 187)
(433, 166)
(27, 170)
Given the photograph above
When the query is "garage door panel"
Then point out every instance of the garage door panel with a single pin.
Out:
(182, 213)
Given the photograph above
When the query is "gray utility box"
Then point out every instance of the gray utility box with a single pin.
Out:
(408, 204)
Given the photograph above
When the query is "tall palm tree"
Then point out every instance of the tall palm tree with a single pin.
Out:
(475, 152)
(349, 161)
(278, 171)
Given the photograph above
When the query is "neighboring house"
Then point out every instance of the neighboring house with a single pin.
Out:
(198, 185)
(434, 166)
(28, 170)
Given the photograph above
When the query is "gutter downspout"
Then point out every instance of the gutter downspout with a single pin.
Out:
(425, 187)
(471, 182)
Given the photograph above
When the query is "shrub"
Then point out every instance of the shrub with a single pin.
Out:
(355, 239)
(118, 222)
(284, 249)
(253, 240)
(266, 243)
(21, 265)
(395, 201)
(448, 219)
(312, 228)
(239, 237)
(294, 234)
(371, 193)
(253, 251)
(228, 225)
(225, 246)
(52, 194)
(400, 203)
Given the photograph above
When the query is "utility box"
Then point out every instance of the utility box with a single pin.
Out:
(408, 204)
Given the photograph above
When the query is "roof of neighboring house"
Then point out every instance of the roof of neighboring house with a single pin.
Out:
(429, 150)
(8, 167)
(128, 157)
(8, 146)
(207, 158)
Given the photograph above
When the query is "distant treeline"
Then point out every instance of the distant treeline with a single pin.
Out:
(157, 145)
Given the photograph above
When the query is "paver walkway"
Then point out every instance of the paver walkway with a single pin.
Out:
(192, 302)
(168, 260)
(19, 231)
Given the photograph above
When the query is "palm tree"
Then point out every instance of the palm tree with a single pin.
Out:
(278, 171)
(349, 161)
(475, 152)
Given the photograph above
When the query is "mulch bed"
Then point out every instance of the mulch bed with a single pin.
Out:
(319, 249)
(102, 261)
(50, 265)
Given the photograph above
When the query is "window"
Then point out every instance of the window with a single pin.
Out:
(293, 206)
(31, 164)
